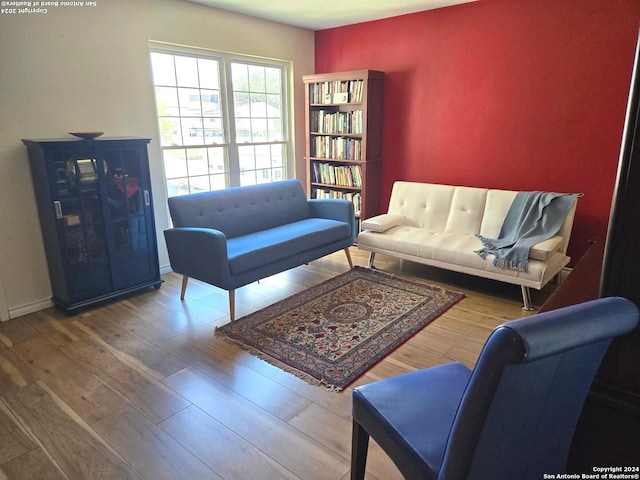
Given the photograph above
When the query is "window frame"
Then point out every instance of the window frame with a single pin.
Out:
(230, 144)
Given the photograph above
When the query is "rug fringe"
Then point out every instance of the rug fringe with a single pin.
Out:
(277, 363)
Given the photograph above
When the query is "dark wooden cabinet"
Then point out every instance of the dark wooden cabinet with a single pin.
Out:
(96, 215)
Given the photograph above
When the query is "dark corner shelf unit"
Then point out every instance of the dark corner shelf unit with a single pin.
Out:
(96, 215)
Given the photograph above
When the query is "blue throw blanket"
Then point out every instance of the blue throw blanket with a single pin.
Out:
(532, 218)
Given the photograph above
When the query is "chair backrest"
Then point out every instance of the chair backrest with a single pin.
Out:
(241, 210)
(519, 411)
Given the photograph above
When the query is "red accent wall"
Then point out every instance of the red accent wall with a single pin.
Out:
(512, 94)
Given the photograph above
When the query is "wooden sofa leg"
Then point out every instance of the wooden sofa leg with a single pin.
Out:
(348, 253)
(185, 279)
(232, 304)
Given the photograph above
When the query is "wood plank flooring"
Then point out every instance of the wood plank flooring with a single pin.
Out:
(142, 389)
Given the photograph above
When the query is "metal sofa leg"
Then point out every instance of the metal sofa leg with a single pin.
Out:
(359, 448)
(526, 299)
(372, 257)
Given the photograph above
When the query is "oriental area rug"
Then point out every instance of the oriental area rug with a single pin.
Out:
(332, 333)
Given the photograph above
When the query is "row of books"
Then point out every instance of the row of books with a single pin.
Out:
(324, 121)
(325, 92)
(339, 175)
(354, 197)
(336, 148)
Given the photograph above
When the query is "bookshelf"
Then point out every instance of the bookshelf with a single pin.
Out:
(343, 125)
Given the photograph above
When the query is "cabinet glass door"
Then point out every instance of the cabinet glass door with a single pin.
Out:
(79, 220)
(128, 211)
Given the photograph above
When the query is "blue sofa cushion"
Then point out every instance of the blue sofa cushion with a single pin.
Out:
(255, 250)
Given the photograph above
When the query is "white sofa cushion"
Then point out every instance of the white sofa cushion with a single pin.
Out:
(456, 252)
(424, 205)
(466, 210)
(496, 208)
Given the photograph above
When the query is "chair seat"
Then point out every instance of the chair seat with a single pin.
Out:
(398, 411)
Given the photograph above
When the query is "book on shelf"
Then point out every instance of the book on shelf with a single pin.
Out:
(338, 175)
(354, 197)
(342, 148)
(336, 92)
(325, 121)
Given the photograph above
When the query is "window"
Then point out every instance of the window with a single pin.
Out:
(222, 120)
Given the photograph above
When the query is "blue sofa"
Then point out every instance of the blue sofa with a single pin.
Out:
(233, 237)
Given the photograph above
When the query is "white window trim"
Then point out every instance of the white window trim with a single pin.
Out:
(226, 59)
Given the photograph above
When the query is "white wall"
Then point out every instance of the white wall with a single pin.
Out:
(4, 310)
(87, 68)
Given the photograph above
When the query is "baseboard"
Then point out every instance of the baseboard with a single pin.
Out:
(30, 308)
(38, 305)
(165, 269)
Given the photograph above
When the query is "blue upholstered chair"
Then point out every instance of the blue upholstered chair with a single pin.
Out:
(512, 417)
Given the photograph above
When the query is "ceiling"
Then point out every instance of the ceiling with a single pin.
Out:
(321, 14)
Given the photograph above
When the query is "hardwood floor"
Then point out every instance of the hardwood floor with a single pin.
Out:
(142, 388)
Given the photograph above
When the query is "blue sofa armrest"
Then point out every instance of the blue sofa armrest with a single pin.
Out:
(199, 253)
(334, 209)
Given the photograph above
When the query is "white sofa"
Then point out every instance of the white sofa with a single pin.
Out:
(437, 225)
